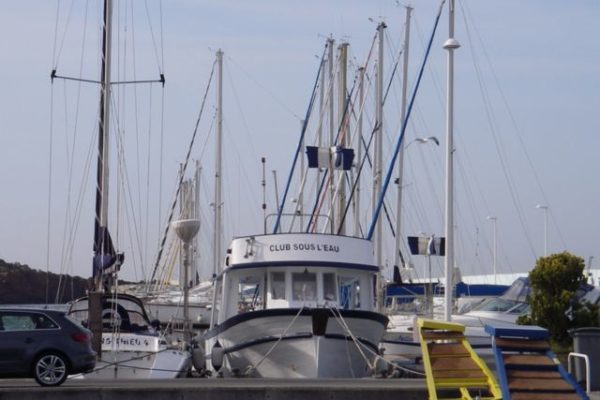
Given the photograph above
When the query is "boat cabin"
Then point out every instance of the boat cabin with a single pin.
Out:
(298, 270)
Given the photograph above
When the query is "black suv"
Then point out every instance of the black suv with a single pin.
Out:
(44, 344)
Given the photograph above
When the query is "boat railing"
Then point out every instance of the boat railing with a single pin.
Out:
(293, 224)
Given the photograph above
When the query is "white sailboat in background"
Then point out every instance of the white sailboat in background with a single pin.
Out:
(129, 345)
(162, 296)
(165, 303)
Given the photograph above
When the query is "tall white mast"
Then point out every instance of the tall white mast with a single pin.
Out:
(331, 130)
(361, 94)
(401, 152)
(321, 116)
(218, 172)
(342, 81)
(451, 44)
(378, 162)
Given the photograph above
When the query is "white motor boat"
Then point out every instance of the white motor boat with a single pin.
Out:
(296, 306)
(400, 342)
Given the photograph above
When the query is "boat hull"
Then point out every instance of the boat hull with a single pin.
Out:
(138, 356)
(165, 364)
(300, 343)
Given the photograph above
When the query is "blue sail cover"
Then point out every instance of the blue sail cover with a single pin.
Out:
(104, 252)
(338, 156)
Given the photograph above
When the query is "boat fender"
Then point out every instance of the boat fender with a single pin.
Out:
(320, 316)
(198, 357)
(216, 356)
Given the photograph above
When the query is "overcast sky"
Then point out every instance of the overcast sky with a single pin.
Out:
(527, 124)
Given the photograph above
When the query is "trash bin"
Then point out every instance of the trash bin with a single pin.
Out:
(585, 341)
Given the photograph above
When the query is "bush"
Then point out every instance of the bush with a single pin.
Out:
(554, 283)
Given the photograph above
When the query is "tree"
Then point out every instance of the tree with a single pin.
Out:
(554, 283)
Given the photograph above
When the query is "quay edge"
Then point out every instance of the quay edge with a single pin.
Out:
(221, 389)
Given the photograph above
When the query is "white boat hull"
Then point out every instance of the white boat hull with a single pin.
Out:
(136, 356)
(166, 364)
(300, 344)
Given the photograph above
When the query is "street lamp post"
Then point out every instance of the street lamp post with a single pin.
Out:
(545, 208)
(494, 238)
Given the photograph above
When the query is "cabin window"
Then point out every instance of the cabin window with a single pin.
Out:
(277, 285)
(249, 292)
(304, 286)
(349, 293)
(329, 287)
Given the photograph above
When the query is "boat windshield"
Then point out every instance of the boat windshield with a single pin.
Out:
(121, 312)
(502, 305)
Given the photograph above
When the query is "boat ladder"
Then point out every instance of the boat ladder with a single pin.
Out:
(452, 368)
(527, 368)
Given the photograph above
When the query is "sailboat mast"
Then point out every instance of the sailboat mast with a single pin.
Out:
(218, 172)
(103, 133)
(342, 89)
(330, 61)
(402, 145)
(361, 95)
(451, 44)
(378, 164)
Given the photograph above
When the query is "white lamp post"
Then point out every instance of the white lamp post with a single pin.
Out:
(545, 208)
(494, 238)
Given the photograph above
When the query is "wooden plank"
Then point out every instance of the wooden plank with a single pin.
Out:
(528, 360)
(539, 384)
(441, 374)
(447, 350)
(472, 384)
(453, 363)
(524, 344)
(442, 335)
(518, 373)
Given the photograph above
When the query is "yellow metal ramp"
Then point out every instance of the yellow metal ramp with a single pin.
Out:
(452, 368)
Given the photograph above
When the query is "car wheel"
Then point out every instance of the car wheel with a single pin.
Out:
(50, 369)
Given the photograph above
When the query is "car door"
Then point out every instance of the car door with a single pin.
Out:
(13, 343)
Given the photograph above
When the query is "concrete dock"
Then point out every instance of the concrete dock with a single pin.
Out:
(222, 389)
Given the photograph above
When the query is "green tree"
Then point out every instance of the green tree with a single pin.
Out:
(554, 282)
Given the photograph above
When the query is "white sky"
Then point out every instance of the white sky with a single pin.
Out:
(541, 58)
